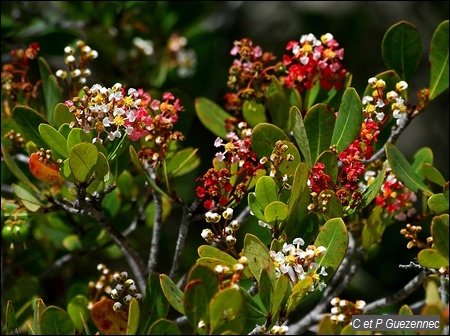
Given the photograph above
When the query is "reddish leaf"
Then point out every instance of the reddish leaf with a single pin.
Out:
(107, 320)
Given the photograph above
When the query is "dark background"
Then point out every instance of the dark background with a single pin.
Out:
(211, 28)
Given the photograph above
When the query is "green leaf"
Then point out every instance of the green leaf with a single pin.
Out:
(214, 252)
(438, 59)
(305, 227)
(253, 113)
(280, 296)
(183, 162)
(16, 171)
(133, 317)
(405, 310)
(82, 160)
(196, 303)
(437, 203)
(55, 141)
(212, 116)
(299, 184)
(55, 321)
(77, 136)
(209, 279)
(299, 292)
(423, 155)
(78, 311)
(28, 121)
(334, 237)
(432, 174)
(372, 190)
(255, 207)
(27, 198)
(275, 212)
(301, 137)
(279, 108)
(333, 207)
(319, 123)
(440, 234)
(265, 290)
(403, 170)
(164, 327)
(264, 137)
(401, 49)
(11, 325)
(61, 115)
(266, 191)
(52, 92)
(155, 303)
(430, 258)
(374, 228)
(39, 307)
(258, 257)
(172, 293)
(227, 312)
(348, 121)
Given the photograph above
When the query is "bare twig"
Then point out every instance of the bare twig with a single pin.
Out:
(157, 223)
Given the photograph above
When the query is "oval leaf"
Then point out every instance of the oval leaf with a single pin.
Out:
(258, 257)
(266, 191)
(55, 321)
(300, 136)
(334, 236)
(401, 49)
(172, 293)
(82, 160)
(164, 327)
(227, 311)
(28, 121)
(78, 311)
(439, 61)
(440, 233)
(212, 116)
(404, 171)
(107, 320)
(319, 123)
(55, 141)
(264, 137)
(276, 212)
(430, 258)
(348, 121)
(432, 174)
(61, 115)
(253, 113)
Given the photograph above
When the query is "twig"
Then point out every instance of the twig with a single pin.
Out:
(84, 207)
(409, 288)
(157, 223)
(182, 235)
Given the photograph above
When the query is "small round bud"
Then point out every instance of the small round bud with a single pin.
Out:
(118, 307)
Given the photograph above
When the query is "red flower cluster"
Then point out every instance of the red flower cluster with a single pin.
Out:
(226, 184)
(396, 199)
(314, 60)
(318, 179)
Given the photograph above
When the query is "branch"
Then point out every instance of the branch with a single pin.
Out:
(182, 235)
(157, 223)
(403, 293)
(84, 207)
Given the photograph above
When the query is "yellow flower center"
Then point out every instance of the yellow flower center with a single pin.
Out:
(118, 120)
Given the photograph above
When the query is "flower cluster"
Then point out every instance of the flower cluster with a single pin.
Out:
(15, 75)
(226, 184)
(374, 105)
(249, 74)
(78, 73)
(296, 263)
(223, 232)
(396, 198)
(113, 112)
(314, 60)
(124, 291)
(410, 233)
(343, 310)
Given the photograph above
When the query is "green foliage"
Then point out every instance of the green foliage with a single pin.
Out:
(102, 173)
